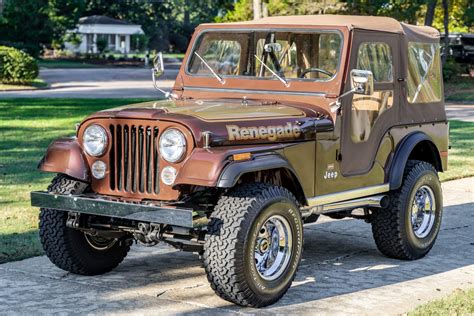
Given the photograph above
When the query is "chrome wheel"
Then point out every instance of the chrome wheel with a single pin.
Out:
(423, 213)
(273, 247)
(99, 243)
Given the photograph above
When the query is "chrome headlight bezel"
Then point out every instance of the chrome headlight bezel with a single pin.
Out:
(95, 134)
(172, 145)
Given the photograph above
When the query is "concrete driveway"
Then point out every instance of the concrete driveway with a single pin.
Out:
(341, 273)
(460, 112)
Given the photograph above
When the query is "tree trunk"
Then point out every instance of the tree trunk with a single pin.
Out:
(446, 30)
(257, 9)
(186, 19)
(430, 11)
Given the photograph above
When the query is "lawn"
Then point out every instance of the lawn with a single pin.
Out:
(461, 154)
(65, 64)
(460, 90)
(27, 126)
(458, 303)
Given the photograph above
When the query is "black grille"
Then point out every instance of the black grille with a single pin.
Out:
(134, 159)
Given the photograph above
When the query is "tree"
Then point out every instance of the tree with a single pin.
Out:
(430, 12)
(446, 28)
(31, 24)
(257, 9)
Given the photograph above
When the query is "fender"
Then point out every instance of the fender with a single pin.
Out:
(64, 155)
(205, 165)
(232, 172)
(402, 153)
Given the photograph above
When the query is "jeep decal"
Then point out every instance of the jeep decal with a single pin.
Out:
(271, 133)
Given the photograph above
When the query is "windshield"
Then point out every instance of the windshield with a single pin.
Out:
(290, 55)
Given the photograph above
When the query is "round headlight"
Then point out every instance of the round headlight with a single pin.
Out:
(95, 140)
(172, 145)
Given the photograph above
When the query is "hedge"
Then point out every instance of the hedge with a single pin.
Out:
(16, 66)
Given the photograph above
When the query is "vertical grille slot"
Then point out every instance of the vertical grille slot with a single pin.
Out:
(113, 151)
(134, 159)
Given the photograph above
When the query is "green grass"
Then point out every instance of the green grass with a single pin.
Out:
(174, 55)
(52, 64)
(35, 84)
(27, 126)
(458, 303)
(461, 154)
(460, 90)
(461, 97)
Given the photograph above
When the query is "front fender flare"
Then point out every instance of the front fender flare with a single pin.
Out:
(232, 172)
(64, 155)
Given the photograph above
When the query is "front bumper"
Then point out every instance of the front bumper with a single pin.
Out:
(98, 205)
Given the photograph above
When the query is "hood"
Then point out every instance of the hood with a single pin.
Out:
(231, 121)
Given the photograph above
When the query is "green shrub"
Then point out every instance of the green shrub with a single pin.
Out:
(451, 70)
(16, 66)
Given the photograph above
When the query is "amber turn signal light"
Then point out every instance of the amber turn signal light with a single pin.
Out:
(243, 156)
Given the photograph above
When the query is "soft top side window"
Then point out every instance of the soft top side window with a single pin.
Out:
(424, 73)
(376, 57)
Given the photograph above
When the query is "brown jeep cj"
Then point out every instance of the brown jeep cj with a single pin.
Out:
(270, 124)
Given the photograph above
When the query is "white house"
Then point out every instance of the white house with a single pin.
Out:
(117, 34)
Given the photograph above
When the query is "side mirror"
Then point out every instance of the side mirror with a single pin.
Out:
(362, 81)
(158, 65)
(157, 71)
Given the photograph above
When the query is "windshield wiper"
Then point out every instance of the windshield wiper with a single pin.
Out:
(221, 80)
(283, 80)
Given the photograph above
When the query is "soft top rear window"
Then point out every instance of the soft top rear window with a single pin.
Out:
(424, 73)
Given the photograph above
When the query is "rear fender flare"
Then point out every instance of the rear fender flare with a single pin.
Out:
(402, 154)
(65, 155)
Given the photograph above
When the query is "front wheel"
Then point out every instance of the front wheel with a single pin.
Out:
(71, 249)
(254, 244)
(408, 228)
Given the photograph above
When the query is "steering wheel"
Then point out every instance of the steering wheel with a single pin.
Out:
(314, 69)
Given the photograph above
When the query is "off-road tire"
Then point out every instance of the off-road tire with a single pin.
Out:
(229, 245)
(391, 227)
(68, 248)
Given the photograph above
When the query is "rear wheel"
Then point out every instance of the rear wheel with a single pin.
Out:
(408, 228)
(254, 244)
(71, 249)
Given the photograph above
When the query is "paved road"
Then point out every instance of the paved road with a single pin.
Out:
(341, 272)
(98, 83)
(461, 112)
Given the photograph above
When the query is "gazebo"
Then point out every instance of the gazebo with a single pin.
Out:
(115, 32)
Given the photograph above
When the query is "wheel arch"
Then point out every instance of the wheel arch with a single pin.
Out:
(415, 146)
(273, 169)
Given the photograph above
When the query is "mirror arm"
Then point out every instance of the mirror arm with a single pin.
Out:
(167, 94)
(336, 105)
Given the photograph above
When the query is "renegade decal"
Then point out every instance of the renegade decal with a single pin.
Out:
(263, 132)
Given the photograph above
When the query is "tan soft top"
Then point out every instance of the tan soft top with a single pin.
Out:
(373, 23)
